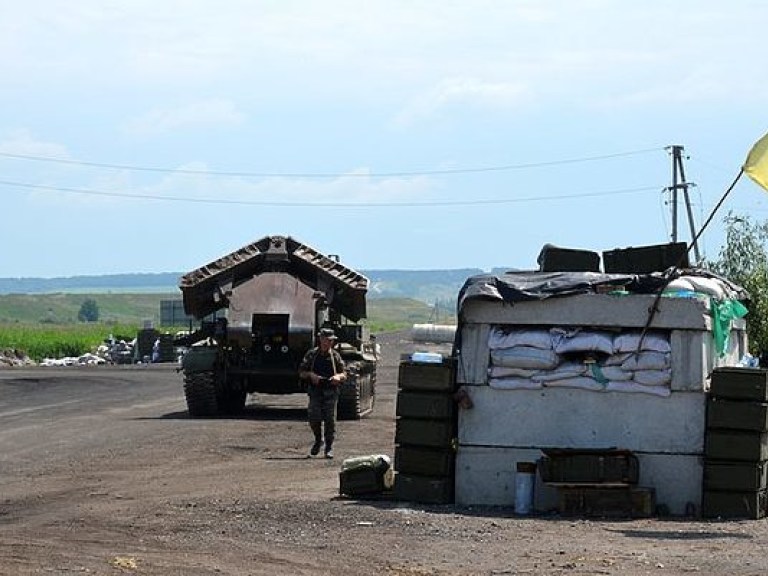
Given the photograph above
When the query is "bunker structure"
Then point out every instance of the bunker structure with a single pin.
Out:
(600, 381)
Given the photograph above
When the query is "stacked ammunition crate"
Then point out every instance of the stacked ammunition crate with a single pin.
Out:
(736, 445)
(645, 259)
(425, 432)
(167, 351)
(145, 339)
(597, 482)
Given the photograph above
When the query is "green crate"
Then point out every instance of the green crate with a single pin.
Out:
(740, 383)
(599, 502)
(565, 466)
(423, 489)
(737, 415)
(424, 461)
(429, 405)
(719, 504)
(426, 377)
(736, 445)
(735, 476)
(433, 433)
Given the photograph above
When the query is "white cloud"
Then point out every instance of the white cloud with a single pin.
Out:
(354, 187)
(345, 49)
(215, 112)
(464, 92)
(23, 142)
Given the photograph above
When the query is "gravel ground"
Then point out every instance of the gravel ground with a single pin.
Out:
(102, 472)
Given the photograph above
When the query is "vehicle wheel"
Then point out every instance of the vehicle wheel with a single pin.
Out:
(349, 399)
(200, 393)
(232, 401)
(356, 397)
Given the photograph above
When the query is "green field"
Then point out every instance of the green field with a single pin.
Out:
(63, 308)
(45, 325)
(40, 341)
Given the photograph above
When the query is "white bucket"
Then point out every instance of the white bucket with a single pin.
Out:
(524, 480)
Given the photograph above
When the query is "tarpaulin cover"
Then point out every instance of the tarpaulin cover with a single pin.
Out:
(521, 286)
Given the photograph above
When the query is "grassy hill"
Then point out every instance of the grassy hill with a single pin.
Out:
(63, 308)
(429, 286)
(383, 313)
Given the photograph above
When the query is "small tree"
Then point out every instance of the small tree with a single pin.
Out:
(89, 311)
(744, 260)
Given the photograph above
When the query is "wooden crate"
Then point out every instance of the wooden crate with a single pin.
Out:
(736, 445)
(423, 489)
(556, 259)
(735, 476)
(433, 433)
(645, 259)
(568, 466)
(428, 405)
(721, 504)
(426, 377)
(424, 461)
(737, 414)
(740, 383)
(615, 502)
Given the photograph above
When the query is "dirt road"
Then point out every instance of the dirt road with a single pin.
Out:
(102, 472)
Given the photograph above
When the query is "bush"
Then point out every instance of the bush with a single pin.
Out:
(89, 311)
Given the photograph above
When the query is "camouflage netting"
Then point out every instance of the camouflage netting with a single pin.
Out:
(12, 357)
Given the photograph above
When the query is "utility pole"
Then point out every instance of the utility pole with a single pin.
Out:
(434, 315)
(679, 183)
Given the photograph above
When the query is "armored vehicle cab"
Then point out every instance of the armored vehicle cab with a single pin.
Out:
(269, 300)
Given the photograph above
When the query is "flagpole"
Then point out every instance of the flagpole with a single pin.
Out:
(669, 274)
(716, 208)
(756, 167)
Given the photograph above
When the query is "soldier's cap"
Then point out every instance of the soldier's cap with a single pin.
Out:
(327, 333)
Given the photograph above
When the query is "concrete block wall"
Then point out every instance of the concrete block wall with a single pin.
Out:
(509, 426)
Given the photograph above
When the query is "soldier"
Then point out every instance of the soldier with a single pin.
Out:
(323, 367)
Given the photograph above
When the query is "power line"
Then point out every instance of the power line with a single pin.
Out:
(499, 168)
(324, 204)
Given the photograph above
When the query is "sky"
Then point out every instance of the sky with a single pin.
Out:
(157, 136)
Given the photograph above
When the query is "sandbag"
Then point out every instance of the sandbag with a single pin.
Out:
(366, 475)
(566, 341)
(525, 357)
(500, 338)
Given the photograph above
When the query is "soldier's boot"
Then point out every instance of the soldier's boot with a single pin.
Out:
(317, 431)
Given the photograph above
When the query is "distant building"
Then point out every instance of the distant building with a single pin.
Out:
(172, 314)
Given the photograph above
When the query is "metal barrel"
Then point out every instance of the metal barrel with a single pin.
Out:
(438, 333)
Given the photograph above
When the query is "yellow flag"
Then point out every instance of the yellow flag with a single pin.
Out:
(756, 165)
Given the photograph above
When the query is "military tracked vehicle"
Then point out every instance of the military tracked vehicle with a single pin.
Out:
(261, 308)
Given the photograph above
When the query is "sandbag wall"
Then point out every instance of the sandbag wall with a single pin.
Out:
(736, 440)
(424, 432)
(567, 357)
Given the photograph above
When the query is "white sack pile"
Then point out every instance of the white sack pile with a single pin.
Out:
(12, 357)
(595, 360)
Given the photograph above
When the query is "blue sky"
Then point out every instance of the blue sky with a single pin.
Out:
(157, 136)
